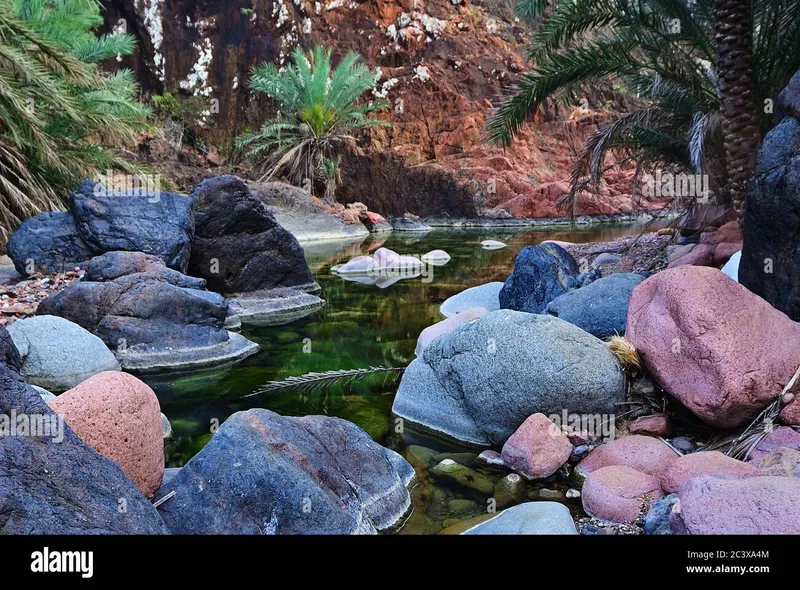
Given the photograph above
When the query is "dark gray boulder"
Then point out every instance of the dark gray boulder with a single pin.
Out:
(151, 317)
(239, 246)
(601, 307)
(770, 263)
(478, 383)
(157, 223)
(656, 522)
(262, 473)
(47, 243)
(541, 273)
(62, 487)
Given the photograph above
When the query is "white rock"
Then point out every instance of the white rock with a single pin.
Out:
(731, 267)
(492, 245)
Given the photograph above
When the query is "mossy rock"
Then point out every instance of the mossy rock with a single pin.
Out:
(465, 477)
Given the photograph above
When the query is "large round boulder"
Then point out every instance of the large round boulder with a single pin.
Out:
(722, 351)
(601, 307)
(262, 473)
(47, 243)
(120, 418)
(58, 354)
(478, 383)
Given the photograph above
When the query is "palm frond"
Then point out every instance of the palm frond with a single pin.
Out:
(311, 381)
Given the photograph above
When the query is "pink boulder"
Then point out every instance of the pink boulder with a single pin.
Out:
(722, 351)
(619, 494)
(682, 469)
(642, 453)
(119, 417)
(782, 436)
(700, 255)
(790, 414)
(768, 505)
(654, 425)
(537, 449)
(431, 333)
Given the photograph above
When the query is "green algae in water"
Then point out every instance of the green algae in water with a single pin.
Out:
(360, 326)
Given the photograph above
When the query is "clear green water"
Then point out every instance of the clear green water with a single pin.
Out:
(361, 326)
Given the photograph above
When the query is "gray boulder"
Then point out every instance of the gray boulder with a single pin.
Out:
(62, 487)
(656, 522)
(157, 223)
(58, 354)
(601, 307)
(152, 317)
(262, 473)
(770, 262)
(530, 518)
(478, 383)
(47, 243)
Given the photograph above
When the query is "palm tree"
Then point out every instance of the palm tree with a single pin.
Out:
(318, 113)
(58, 111)
(665, 51)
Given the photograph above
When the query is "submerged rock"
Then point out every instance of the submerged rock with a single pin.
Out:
(530, 518)
(486, 296)
(480, 382)
(120, 418)
(262, 473)
(153, 318)
(601, 307)
(239, 246)
(451, 471)
(273, 307)
(61, 486)
(720, 350)
(509, 491)
(58, 354)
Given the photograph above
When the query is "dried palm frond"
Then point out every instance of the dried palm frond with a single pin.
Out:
(311, 381)
(625, 353)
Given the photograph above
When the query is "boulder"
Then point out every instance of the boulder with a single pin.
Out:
(262, 473)
(619, 494)
(682, 469)
(770, 264)
(782, 437)
(153, 222)
(492, 245)
(58, 354)
(273, 307)
(753, 506)
(530, 518)
(720, 350)
(480, 382)
(430, 333)
(537, 449)
(656, 522)
(120, 418)
(700, 255)
(239, 246)
(541, 273)
(485, 296)
(375, 222)
(436, 257)
(60, 485)
(642, 453)
(302, 215)
(151, 317)
(47, 243)
(601, 307)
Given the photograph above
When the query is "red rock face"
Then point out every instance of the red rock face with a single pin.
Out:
(119, 417)
(444, 66)
(722, 351)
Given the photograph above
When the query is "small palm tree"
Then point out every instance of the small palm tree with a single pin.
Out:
(318, 113)
(666, 52)
(58, 112)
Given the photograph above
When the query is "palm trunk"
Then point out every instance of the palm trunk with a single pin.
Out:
(740, 120)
